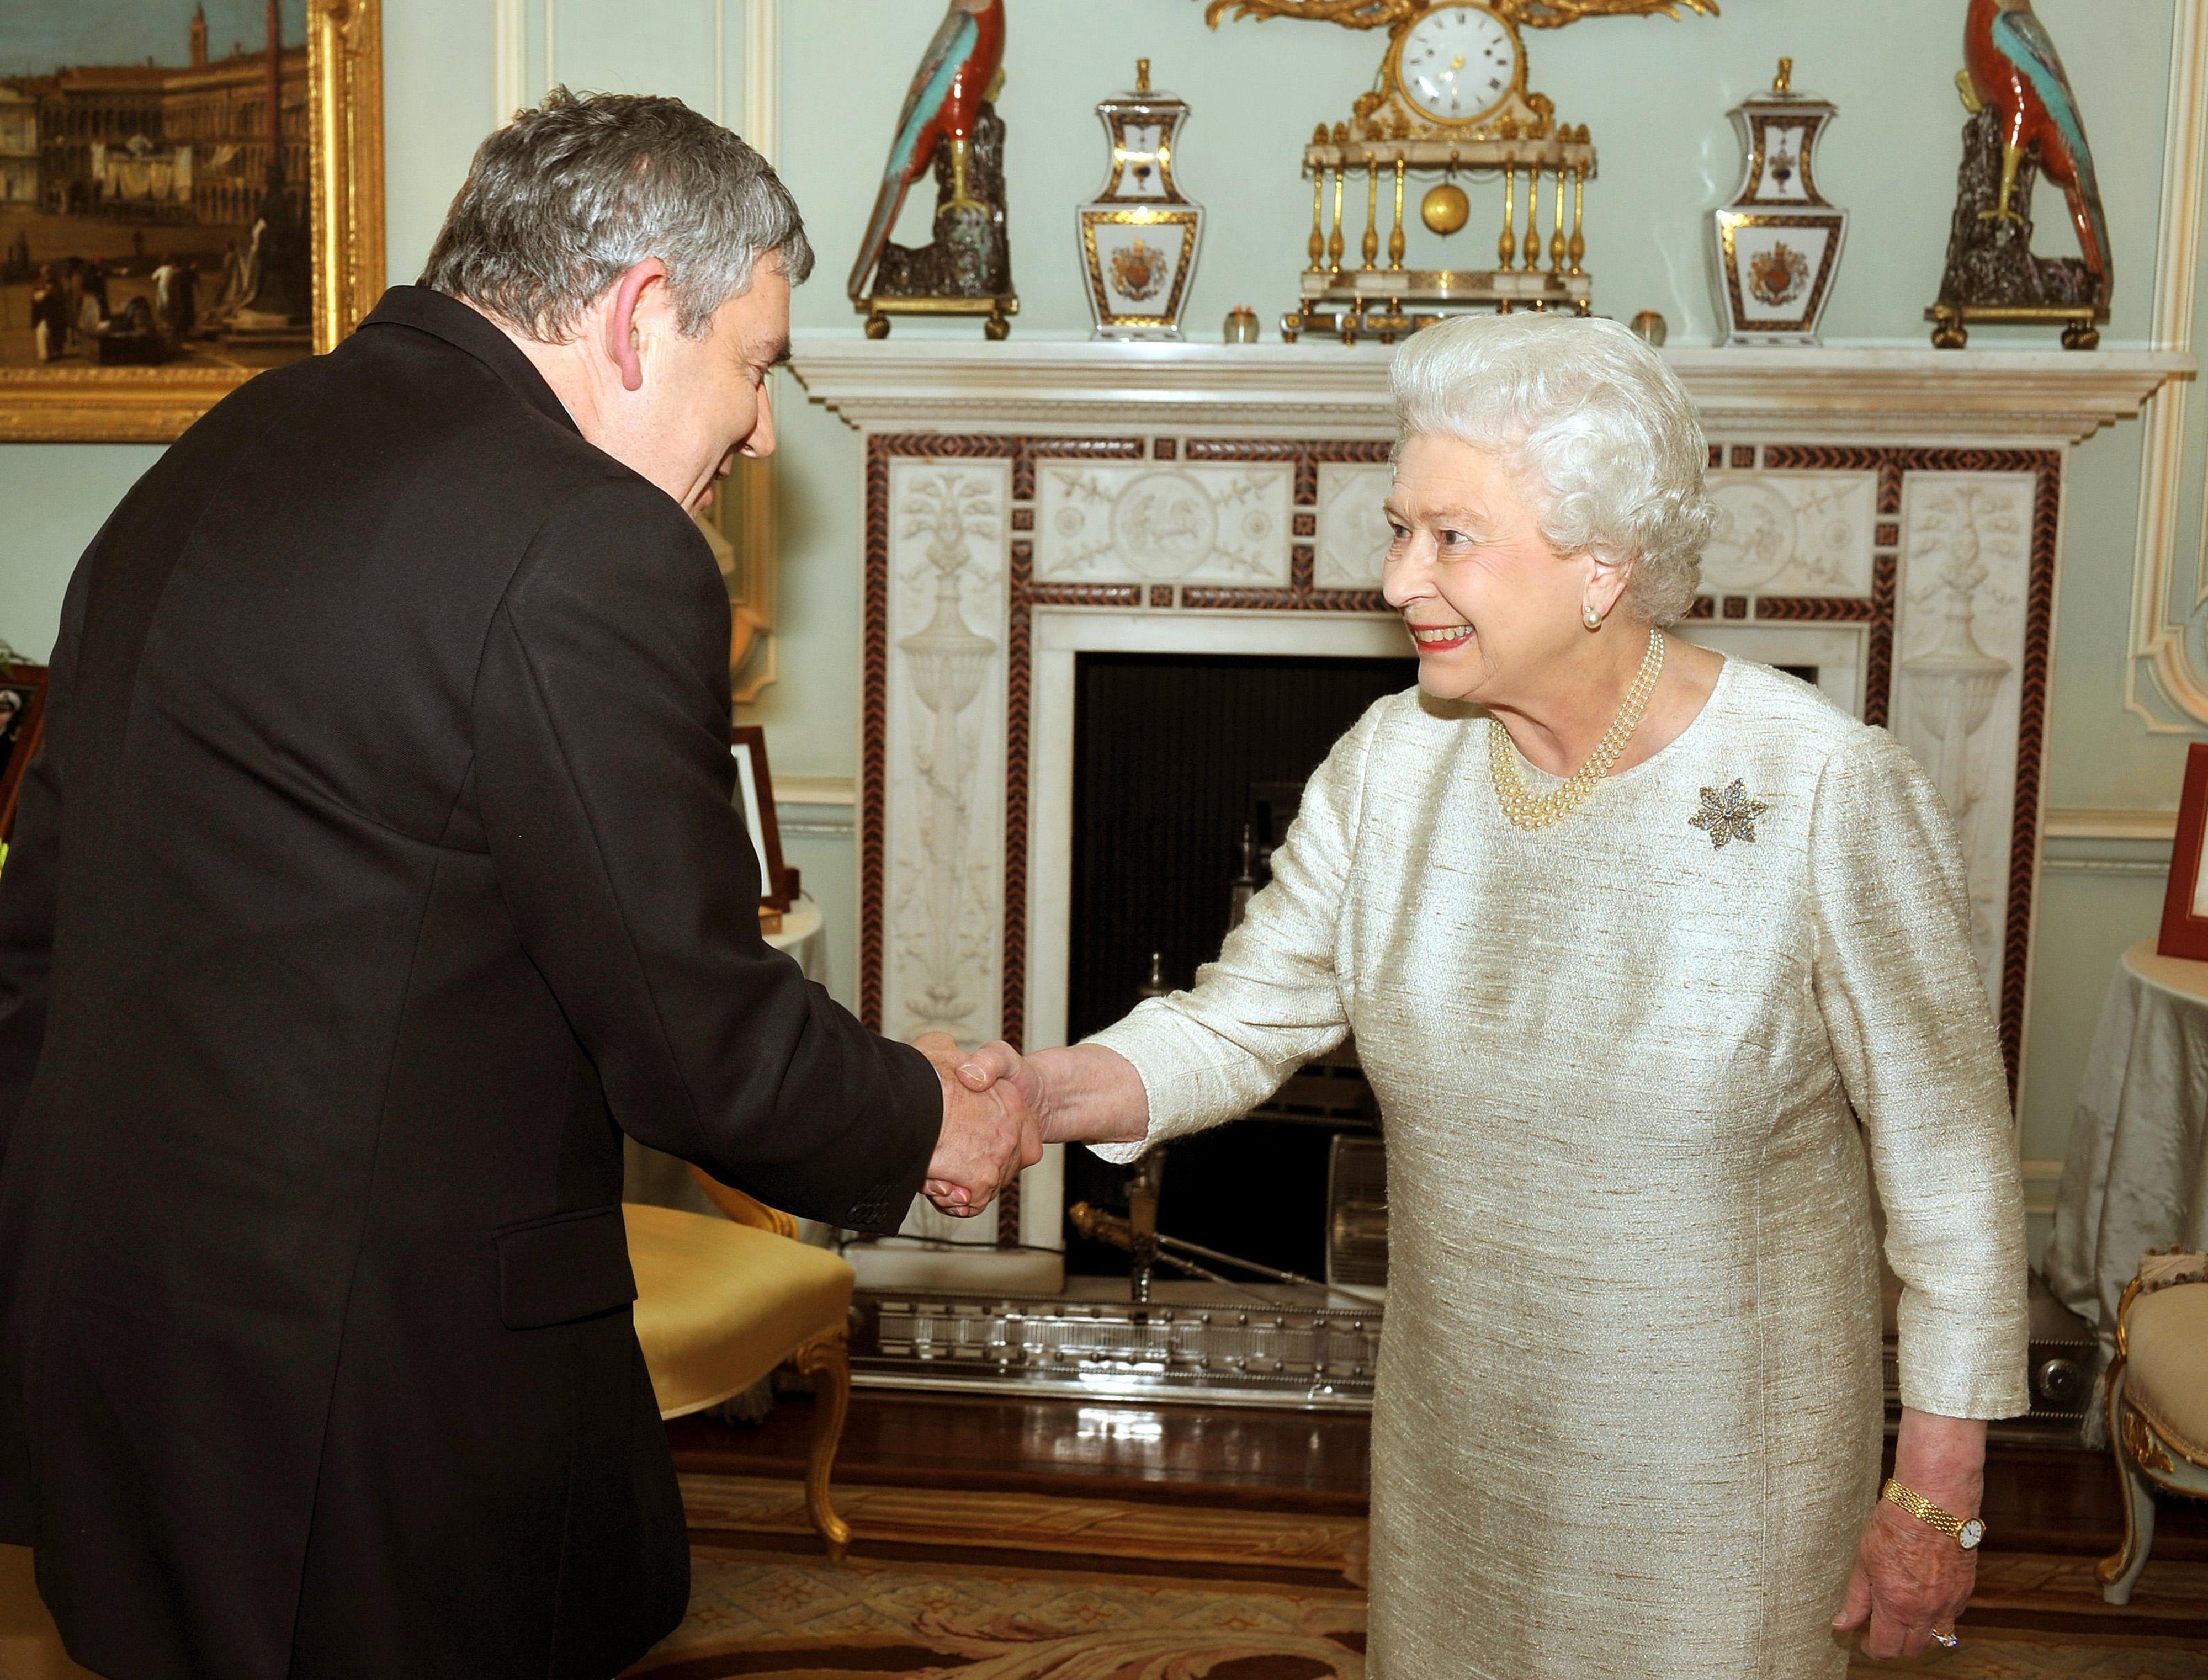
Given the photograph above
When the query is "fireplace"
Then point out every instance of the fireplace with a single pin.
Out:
(1034, 513)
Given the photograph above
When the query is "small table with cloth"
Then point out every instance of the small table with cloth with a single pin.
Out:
(2137, 1175)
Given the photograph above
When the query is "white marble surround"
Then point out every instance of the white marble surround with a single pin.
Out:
(1891, 518)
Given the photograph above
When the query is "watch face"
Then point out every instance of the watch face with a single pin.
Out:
(1970, 1533)
(1457, 63)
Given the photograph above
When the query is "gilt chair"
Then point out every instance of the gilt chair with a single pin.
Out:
(2157, 1398)
(722, 1303)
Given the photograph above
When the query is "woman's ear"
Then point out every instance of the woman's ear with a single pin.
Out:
(1606, 586)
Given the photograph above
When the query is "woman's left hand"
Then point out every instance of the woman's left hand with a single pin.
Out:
(1911, 1580)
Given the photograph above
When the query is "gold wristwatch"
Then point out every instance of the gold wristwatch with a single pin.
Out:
(1968, 1531)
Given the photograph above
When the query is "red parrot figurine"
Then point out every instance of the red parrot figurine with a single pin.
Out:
(955, 75)
(2012, 67)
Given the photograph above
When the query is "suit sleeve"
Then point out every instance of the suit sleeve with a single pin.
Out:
(603, 775)
(29, 882)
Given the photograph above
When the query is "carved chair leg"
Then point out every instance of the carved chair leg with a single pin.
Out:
(2120, 1572)
(827, 1359)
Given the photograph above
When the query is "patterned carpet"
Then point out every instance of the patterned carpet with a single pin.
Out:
(1007, 1587)
(758, 1614)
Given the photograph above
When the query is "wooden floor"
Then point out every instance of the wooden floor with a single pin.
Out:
(2037, 1499)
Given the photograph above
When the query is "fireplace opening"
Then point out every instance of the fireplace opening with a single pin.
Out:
(1175, 756)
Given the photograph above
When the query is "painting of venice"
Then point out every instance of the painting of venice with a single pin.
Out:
(154, 182)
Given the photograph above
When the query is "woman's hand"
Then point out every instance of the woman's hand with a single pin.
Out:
(1911, 1580)
(1084, 1093)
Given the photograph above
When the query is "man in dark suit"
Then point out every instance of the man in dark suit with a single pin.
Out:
(379, 870)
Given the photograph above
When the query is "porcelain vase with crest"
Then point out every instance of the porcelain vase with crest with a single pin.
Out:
(1776, 247)
(1139, 236)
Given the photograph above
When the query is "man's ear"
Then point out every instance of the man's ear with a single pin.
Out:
(621, 332)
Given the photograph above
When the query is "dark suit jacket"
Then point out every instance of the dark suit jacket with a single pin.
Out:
(379, 860)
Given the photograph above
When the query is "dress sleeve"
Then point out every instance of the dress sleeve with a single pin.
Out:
(1914, 1037)
(603, 775)
(1273, 1000)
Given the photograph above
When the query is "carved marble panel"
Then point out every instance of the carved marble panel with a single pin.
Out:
(1790, 533)
(944, 751)
(1352, 535)
(1105, 522)
(1959, 659)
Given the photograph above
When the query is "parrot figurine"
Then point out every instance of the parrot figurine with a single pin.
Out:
(2011, 66)
(958, 73)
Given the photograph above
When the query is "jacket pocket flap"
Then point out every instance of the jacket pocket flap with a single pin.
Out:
(570, 1266)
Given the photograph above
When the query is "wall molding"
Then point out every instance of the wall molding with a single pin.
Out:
(760, 117)
(816, 790)
(2077, 823)
(2160, 619)
(509, 60)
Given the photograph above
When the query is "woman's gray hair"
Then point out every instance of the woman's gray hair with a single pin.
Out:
(1600, 430)
(569, 196)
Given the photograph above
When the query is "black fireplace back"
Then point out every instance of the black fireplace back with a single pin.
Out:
(1168, 752)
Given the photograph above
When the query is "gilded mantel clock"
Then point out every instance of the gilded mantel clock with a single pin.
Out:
(1452, 69)
(1450, 96)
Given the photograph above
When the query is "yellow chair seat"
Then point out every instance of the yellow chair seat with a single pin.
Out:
(720, 1305)
(2166, 1378)
(30, 1648)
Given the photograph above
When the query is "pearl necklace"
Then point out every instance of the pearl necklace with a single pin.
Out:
(1529, 811)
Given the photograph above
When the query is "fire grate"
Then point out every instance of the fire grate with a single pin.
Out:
(1317, 1358)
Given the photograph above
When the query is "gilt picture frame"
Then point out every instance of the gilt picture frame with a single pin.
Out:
(169, 193)
(739, 526)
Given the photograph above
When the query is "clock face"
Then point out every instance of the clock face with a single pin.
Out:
(1457, 63)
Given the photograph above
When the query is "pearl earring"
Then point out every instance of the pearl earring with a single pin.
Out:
(1593, 619)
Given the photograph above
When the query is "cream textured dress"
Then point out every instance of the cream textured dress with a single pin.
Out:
(1629, 1412)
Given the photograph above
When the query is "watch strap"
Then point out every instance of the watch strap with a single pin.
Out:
(1925, 1511)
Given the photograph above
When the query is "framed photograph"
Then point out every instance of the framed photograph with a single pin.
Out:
(190, 191)
(755, 798)
(22, 722)
(2185, 904)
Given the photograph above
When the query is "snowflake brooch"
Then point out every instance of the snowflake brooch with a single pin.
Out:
(1728, 814)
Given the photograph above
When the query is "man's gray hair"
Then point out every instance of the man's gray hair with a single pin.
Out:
(570, 196)
(1598, 428)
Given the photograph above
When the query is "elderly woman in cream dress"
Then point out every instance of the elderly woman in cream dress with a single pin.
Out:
(1645, 949)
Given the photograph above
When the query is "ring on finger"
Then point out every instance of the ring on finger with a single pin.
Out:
(1948, 1640)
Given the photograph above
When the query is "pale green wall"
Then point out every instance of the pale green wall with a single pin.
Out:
(1654, 91)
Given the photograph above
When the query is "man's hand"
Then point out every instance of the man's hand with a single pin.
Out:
(1911, 1580)
(989, 1136)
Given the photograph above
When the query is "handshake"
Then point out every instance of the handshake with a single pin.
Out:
(992, 1127)
(1000, 1108)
